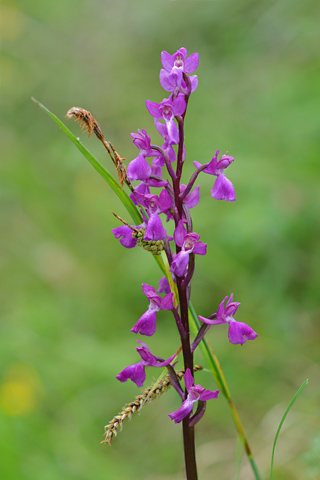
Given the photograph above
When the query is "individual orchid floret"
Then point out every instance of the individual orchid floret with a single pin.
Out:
(171, 76)
(195, 393)
(146, 324)
(179, 60)
(167, 110)
(136, 372)
(138, 168)
(143, 142)
(222, 188)
(238, 332)
(155, 205)
(189, 242)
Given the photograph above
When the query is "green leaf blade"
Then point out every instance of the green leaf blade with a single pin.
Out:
(103, 172)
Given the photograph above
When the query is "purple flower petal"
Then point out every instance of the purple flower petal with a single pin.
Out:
(167, 302)
(223, 189)
(167, 60)
(155, 230)
(165, 362)
(180, 263)
(220, 312)
(146, 324)
(179, 234)
(141, 189)
(148, 290)
(142, 141)
(200, 248)
(173, 134)
(192, 199)
(161, 128)
(136, 373)
(139, 169)
(124, 234)
(165, 200)
(153, 109)
(240, 332)
(179, 105)
(194, 82)
(167, 81)
(188, 379)
(164, 285)
(209, 395)
(191, 63)
(183, 411)
(145, 354)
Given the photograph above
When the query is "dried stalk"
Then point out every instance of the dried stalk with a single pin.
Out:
(89, 124)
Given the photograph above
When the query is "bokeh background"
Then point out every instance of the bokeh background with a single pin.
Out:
(70, 293)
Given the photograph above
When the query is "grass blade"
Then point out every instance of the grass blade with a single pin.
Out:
(281, 423)
(111, 181)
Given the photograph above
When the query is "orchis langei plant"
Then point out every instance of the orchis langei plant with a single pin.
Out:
(173, 203)
(160, 168)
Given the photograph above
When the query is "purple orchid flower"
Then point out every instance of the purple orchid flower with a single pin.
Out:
(146, 324)
(238, 332)
(195, 393)
(189, 242)
(171, 76)
(136, 372)
(180, 60)
(138, 168)
(155, 205)
(222, 188)
(143, 142)
(167, 110)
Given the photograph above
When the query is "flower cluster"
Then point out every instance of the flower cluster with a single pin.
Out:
(160, 167)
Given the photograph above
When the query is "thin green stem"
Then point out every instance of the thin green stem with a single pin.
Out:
(296, 395)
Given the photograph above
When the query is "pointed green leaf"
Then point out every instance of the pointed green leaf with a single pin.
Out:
(111, 181)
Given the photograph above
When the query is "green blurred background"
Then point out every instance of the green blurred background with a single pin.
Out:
(70, 293)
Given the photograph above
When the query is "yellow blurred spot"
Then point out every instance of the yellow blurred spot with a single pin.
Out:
(12, 21)
(19, 391)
